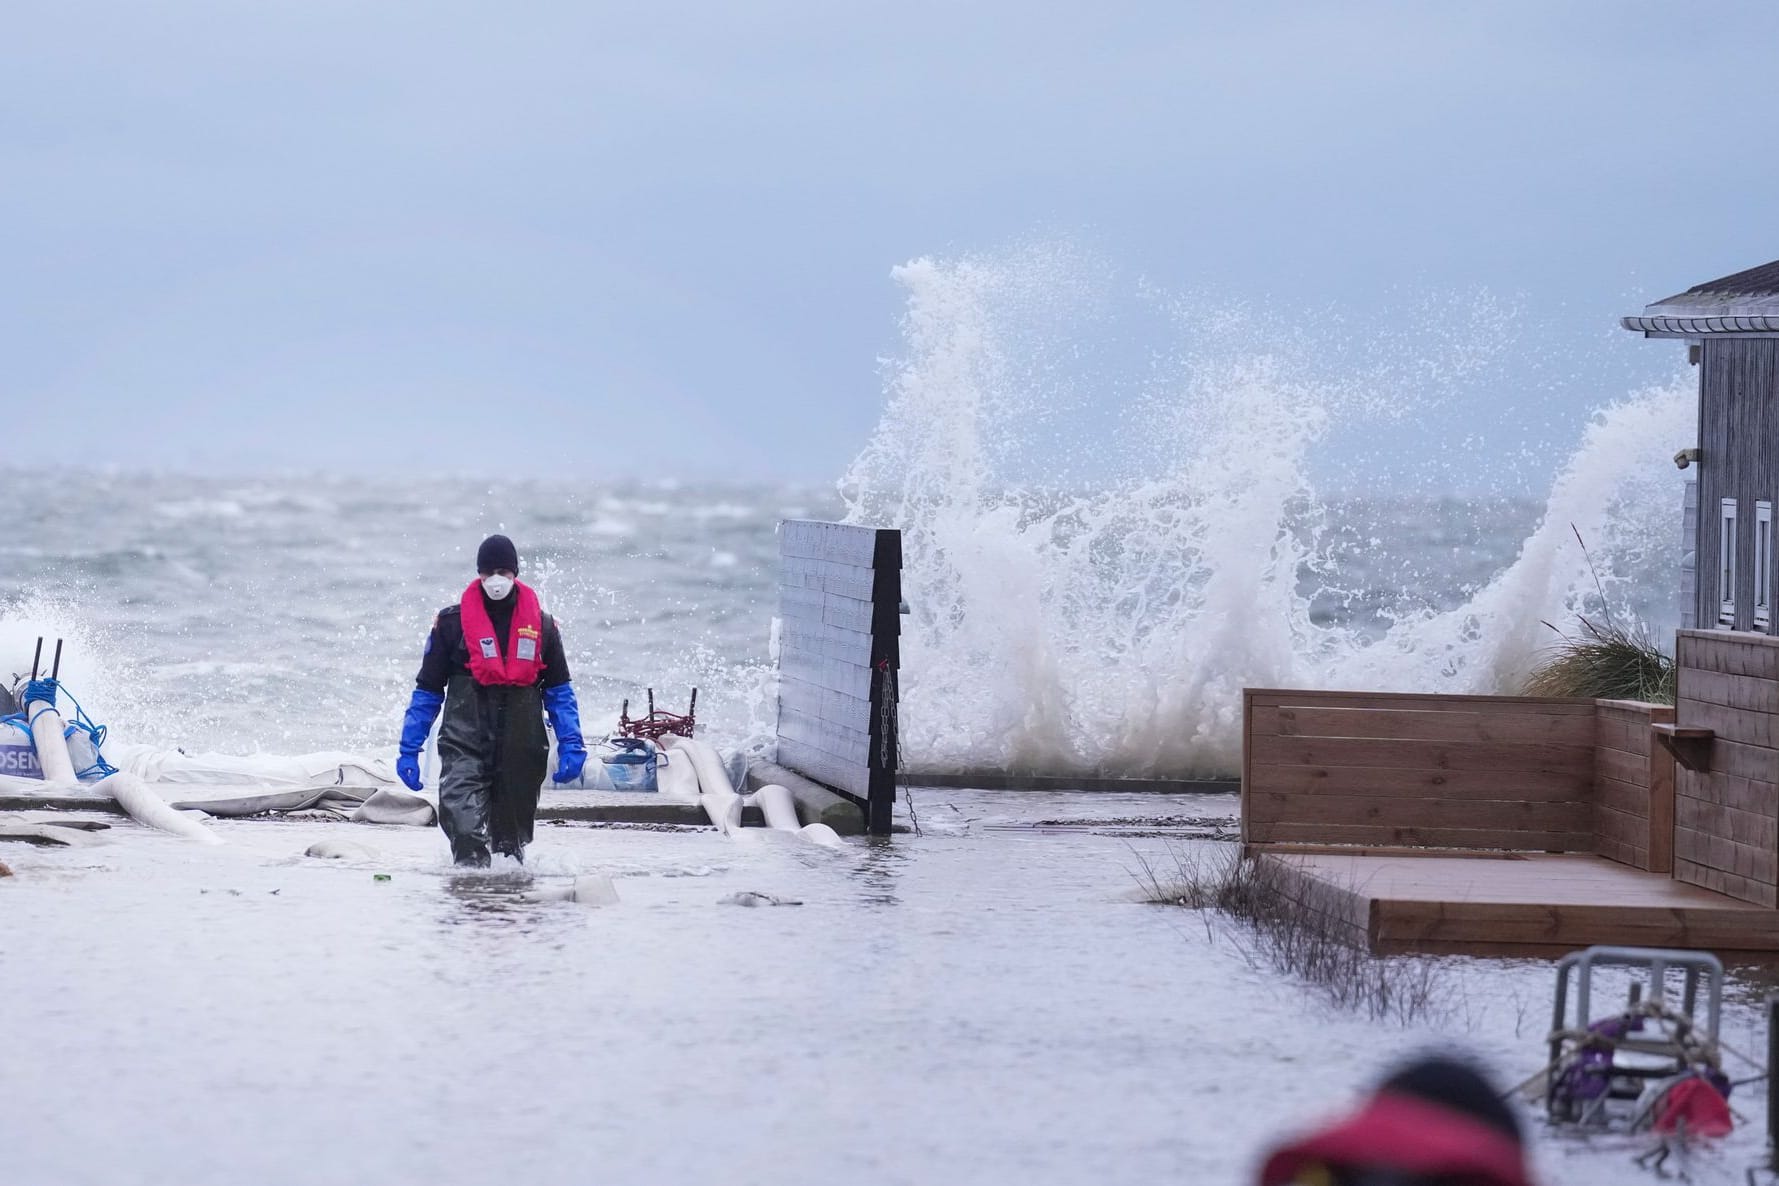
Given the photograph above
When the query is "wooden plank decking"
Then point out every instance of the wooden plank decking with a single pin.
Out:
(1491, 824)
(1530, 903)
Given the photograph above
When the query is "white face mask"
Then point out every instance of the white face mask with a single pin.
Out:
(497, 586)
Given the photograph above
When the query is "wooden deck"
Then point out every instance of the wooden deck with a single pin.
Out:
(1506, 904)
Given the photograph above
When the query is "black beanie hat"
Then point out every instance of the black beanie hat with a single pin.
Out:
(1458, 1086)
(497, 552)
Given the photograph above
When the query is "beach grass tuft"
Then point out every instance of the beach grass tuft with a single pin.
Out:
(1606, 662)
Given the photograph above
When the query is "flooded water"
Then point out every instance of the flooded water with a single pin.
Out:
(984, 1002)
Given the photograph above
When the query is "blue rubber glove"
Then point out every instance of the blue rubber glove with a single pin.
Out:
(565, 719)
(423, 710)
(570, 763)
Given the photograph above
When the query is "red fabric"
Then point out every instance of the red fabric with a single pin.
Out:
(1695, 1104)
(502, 668)
(1409, 1135)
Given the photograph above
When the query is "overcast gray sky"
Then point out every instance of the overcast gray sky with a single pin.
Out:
(478, 237)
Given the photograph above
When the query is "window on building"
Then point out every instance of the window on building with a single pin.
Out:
(1726, 565)
(1763, 564)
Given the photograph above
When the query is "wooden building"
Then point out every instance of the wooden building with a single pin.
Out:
(1732, 324)
(1491, 824)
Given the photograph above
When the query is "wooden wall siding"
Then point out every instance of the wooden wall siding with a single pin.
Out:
(1739, 459)
(840, 587)
(1726, 819)
(1689, 555)
(1633, 787)
(1485, 772)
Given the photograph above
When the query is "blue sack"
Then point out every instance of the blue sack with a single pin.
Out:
(631, 764)
(18, 753)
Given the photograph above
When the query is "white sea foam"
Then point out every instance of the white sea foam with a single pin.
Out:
(724, 510)
(1094, 572)
(1112, 628)
(199, 508)
(606, 527)
(84, 666)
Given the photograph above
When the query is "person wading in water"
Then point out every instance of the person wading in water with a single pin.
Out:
(494, 662)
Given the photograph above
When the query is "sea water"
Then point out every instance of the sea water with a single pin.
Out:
(1094, 566)
(978, 1001)
(1107, 631)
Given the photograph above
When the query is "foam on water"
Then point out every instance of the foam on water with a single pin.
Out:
(1112, 627)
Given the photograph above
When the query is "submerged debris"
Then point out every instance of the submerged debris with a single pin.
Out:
(340, 850)
(589, 889)
(752, 898)
(18, 828)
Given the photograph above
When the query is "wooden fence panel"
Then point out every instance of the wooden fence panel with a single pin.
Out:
(1375, 768)
(1481, 772)
(839, 651)
(1633, 786)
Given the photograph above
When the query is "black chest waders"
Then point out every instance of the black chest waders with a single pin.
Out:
(493, 755)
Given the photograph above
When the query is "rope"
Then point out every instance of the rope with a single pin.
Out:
(1680, 1043)
(78, 723)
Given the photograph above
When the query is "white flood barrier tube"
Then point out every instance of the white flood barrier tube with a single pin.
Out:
(674, 776)
(724, 811)
(715, 792)
(150, 810)
(51, 745)
(779, 808)
(823, 835)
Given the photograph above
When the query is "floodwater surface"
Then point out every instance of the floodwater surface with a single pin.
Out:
(984, 1002)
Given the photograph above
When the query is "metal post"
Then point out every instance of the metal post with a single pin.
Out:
(1772, 1095)
(1558, 1020)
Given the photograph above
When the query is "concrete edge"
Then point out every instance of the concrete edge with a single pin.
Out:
(687, 814)
(59, 803)
(816, 804)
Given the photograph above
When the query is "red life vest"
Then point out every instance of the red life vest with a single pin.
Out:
(488, 661)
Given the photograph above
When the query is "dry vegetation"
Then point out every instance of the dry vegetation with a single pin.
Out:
(1294, 926)
(1606, 662)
